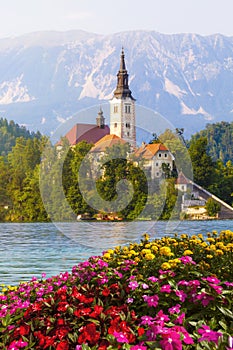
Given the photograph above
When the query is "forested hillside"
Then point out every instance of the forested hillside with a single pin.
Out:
(9, 131)
(22, 185)
(219, 140)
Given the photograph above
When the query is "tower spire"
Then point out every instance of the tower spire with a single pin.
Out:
(122, 64)
(122, 89)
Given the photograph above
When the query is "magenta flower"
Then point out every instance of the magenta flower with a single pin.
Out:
(17, 345)
(120, 337)
(174, 309)
(138, 347)
(171, 341)
(133, 285)
(153, 279)
(187, 260)
(151, 300)
(161, 318)
(212, 279)
(181, 295)
(130, 300)
(180, 318)
(147, 320)
(166, 288)
(145, 286)
(204, 298)
(218, 289)
(208, 335)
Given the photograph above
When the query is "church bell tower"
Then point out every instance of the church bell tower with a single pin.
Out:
(122, 107)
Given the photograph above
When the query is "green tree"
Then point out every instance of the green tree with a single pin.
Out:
(203, 165)
(212, 207)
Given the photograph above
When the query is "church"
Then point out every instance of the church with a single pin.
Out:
(122, 128)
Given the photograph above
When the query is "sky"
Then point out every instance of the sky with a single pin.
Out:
(205, 17)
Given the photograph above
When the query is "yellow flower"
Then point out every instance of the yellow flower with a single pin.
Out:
(154, 248)
(106, 256)
(149, 256)
(146, 251)
(187, 252)
(146, 236)
(211, 240)
(165, 251)
(209, 256)
(165, 266)
(132, 252)
(219, 252)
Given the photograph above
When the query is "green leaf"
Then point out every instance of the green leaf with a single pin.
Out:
(225, 312)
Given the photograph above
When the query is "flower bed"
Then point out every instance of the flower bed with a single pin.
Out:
(173, 293)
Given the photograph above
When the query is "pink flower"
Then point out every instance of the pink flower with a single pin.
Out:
(146, 320)
(186, 337)
(218, 289)
(15, 345)
(120, 337)
(174, 309)
(212, 279)
(130, 300)
(187, 260)
(133, 285)
(153, 279)
(166, 288)
(161, 318)
(138, 347)
(151, 300)
(208, 335)
(171, 341)
(181, 295)
(180, 318)
(204, 298)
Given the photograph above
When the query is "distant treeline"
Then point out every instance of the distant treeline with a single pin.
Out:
(21, 183)
(219, 140)
(9, 131)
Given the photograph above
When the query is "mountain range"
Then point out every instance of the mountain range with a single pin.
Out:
(47, 77)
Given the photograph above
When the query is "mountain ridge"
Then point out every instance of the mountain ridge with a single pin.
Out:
(46, 77)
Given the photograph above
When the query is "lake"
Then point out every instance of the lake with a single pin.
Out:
(28, 249)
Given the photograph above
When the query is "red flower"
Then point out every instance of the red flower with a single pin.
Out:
(141, 331)
(97, 311)
(62, 306)
(82, 312)
(61, 332)
(24, 329)
(89, 333)
(105, 292)
(82, 298)
(63, 345)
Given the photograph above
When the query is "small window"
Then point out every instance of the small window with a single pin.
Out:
(127, 133)
(127, 125)
(157, 174)
(127, 109)
(165, 155)
(160, 155)
(115, 125)
(156, 164)
(182, 187)
(115, 109)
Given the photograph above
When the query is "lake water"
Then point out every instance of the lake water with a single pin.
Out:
(29, 249)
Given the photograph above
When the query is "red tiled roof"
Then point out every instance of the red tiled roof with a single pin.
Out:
(88, 132)
(150, 150)
(107, 141)
(181, 179)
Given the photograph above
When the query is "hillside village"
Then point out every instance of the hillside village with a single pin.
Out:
(155, 156)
